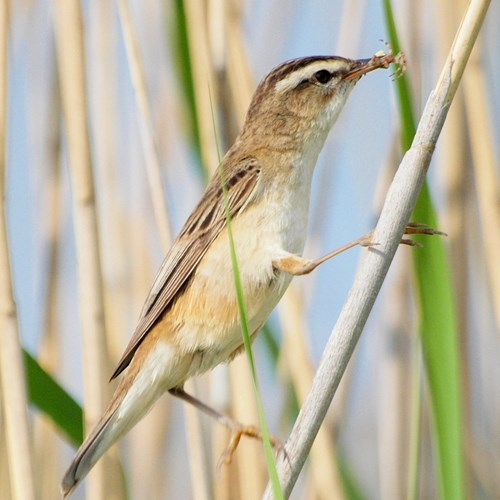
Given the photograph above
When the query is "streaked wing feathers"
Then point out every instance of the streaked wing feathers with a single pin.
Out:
(201, 229)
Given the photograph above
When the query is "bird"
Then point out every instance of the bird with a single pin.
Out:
(190, 320)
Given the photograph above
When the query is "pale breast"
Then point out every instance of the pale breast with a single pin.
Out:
(207, 314)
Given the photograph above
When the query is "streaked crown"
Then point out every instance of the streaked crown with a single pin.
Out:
(302, 94)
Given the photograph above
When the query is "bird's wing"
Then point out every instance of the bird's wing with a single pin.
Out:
(201, 229)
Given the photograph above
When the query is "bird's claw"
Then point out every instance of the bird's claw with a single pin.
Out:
(250, 431)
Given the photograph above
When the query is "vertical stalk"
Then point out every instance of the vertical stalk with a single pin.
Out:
(12, 388)
(325, 479)
(203, 81)
(486, 176)
(72, 73)
(46, 453)
(145, 125)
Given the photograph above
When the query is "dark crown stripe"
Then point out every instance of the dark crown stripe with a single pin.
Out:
(289, 67)
(279, 73)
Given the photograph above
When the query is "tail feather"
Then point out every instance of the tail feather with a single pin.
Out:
(92, 449)
(133, 398)
(122, 414)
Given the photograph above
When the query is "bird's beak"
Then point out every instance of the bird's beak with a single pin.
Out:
(362, 66)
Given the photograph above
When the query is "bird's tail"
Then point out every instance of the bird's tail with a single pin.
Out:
(131, 401)
(94, 446)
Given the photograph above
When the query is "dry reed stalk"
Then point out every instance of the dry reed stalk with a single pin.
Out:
(102, 116)
(220, 397)
(104, 120)
(250, 459)
(145, 126)
(487, 180)
(350, 30)
(72, 72)
(196, 450)
(216, 17)
(240, 77)
(12, 378)
(5, 490)
(223, 486)
(424, 483)
(487, 187)
(47, 465)
(485, 467)
(337, 414)
(395, 364)
(374, 265)
(325, 482)
(204, 81)
(395, 376)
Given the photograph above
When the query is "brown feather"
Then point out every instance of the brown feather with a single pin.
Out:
(201, 229)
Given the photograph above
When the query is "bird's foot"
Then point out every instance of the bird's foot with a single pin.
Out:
(236, 434)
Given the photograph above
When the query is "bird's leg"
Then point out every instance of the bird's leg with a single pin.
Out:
(237, 429)
(297, 266)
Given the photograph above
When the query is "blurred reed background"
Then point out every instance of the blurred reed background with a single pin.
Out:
(107, 113)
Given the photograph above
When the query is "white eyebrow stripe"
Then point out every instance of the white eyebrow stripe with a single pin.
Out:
(305, 73)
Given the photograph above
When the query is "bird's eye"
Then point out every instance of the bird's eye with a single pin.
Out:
(323, 76)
